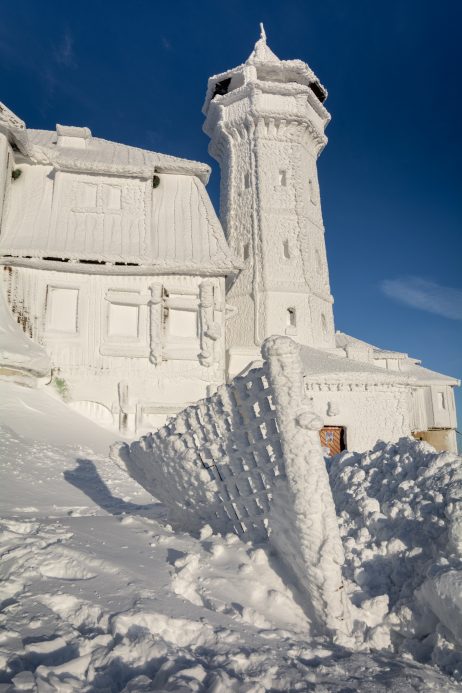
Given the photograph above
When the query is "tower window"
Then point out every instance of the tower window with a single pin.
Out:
(291, 317)
(283, 178)
(286, 249)
(318, 91)
(222, 87)
(246, 252)
(312, 192)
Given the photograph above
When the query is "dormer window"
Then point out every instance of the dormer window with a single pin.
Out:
(74, 137)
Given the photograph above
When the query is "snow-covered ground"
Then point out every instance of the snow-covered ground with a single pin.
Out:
(99, 593)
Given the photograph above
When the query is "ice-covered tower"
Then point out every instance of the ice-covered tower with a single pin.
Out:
(266, 123)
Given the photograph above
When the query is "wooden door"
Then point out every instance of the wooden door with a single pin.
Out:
(332, 440)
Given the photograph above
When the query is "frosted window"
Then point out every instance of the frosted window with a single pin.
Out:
(182, 323)
(87, 195)
(312, 192)
(62, 305)
(291, 317)
(123, 320)
(283, 178)
(112, 197)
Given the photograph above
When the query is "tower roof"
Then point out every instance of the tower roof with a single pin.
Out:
(271, 73)
(262, 53)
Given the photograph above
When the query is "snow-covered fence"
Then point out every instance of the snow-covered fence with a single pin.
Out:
(249, 460)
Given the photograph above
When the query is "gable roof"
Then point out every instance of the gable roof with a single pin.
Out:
(103, 156)
(172, 227)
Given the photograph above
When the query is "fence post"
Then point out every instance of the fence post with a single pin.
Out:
(302, 521)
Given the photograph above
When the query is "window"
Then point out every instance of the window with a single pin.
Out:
(112, 197)
(291, 317)
(126, 323)
(246, 251)
(86, 195)
(283, 178)
(286, 249)
(441, 400)
(247, 180)
(182, 323)
(62, 308)
(324, 325)
(123, 321)
(318, 260)
(313, 196)
(97, 197)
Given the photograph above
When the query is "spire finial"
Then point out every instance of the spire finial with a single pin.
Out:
(262, 32)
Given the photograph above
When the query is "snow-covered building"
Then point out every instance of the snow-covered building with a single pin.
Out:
(266, 121)
(115, 263)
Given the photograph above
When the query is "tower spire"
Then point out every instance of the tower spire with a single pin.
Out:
(262, 52)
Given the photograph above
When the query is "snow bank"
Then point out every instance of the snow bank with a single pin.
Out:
(19, 355)
(400, 519)
(249, 460)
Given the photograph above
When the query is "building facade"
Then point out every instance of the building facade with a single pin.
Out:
(115, 262)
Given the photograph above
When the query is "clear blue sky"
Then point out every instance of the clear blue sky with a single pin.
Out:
(391, 176)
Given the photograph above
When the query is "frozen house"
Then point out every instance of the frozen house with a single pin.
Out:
(115, 263)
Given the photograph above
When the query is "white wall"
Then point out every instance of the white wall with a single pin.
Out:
(105, 334)
(368, 413)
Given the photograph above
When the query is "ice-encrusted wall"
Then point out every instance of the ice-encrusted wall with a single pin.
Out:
(368, 411)
(248, 460)
(267, 133)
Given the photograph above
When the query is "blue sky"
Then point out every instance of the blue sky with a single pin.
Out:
(391, 176)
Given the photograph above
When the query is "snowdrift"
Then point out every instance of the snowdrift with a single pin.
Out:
(400, 518)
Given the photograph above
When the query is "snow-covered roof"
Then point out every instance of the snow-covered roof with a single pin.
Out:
(343, 340)
(103, 156)
(263, 65)
(83, 198)
(425, 376)
(18, 353)
(405, 365)
(325, 366)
